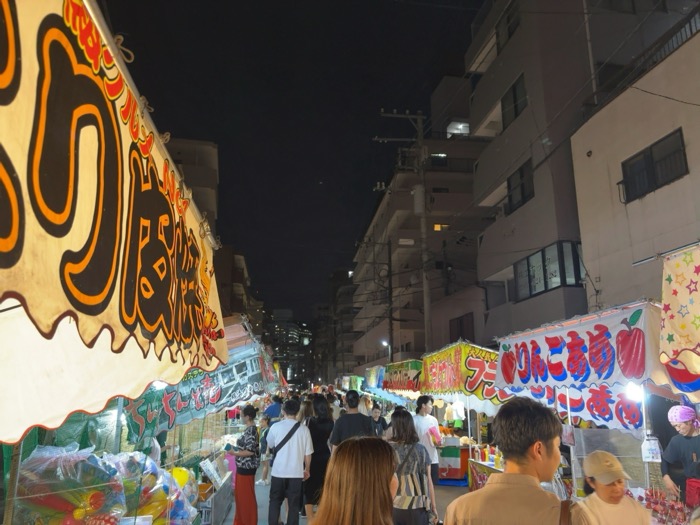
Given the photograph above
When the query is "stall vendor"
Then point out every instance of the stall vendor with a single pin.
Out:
(685, 449)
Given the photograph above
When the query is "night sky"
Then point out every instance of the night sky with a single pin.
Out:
(291, 93)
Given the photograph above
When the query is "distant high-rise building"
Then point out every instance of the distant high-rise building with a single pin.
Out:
(290, 341)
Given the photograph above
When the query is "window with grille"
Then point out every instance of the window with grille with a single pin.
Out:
(506, 26)
(521, 187)
(514, 102)
(655, 166)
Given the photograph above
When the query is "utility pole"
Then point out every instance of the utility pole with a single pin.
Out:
(390, 291)
(419, 206)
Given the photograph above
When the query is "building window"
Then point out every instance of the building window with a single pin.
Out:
(506, 26)
(557, 265)
(462, 328)
(514, 102)
(440, 227)
(438, 160)
(661, 163)
(521, 187)
(621, 6)
(440, 190)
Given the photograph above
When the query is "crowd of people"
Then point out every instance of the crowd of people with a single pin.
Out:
(344, 464)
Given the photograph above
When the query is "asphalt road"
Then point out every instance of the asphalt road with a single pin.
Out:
(444, 495)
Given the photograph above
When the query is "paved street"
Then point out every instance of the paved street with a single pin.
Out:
(444, 496)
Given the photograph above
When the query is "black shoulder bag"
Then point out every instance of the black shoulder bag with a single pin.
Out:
(282, 443)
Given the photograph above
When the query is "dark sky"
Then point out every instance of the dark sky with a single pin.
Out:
(291, 92)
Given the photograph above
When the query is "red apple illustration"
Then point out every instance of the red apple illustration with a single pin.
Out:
(631, 350)
(508, 365)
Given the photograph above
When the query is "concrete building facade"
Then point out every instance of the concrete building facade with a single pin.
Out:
(198, 162)
(533, 73)
(637, 169)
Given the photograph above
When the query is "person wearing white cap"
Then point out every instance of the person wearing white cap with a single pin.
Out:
(607, 503)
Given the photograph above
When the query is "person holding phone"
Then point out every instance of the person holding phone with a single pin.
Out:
(247, 453)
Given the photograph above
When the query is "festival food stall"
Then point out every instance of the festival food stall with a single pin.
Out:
(403, 378)
(591, 368)
(106, 264)
(463, 375)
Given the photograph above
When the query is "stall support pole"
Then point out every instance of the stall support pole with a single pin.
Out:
(12, 483)
(572, 449)
(118, 428)
(647, 478)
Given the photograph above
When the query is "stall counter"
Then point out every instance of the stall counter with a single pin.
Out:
(453, 461)
(479, 472)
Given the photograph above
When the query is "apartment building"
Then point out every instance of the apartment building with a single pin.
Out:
(389, 300)
(535, 64)
(198, 161)
(234, 286)
(637, 170)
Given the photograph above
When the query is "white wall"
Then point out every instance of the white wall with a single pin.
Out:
(615, 235)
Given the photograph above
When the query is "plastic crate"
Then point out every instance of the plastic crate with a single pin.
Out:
(205, 514)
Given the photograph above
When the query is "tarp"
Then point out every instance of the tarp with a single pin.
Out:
(608, 347)
(99, 240)
(679, 348)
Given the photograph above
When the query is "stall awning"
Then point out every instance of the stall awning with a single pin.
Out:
(100, 241)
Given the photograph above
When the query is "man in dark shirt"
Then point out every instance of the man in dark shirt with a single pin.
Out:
(352, 423)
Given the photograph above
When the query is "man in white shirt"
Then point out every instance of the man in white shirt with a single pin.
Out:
(291, 464)
(428, 432)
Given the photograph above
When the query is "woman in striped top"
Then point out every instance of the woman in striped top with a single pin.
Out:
(414, 503)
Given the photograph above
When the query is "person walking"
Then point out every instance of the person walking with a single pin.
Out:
(274, 410)
(428, 430)
(360, 484)
(264, 454)
(379, 424)
(352, 423)
(527, 434)
(606, 502)
(414, 503)
(247, 454)
(320, 427)
(291, 463)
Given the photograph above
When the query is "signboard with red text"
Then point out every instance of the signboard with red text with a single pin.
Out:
(101, 248)
(442, 370)
(613, 346)
(404, 375)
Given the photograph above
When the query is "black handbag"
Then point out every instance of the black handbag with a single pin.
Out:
(275, 450)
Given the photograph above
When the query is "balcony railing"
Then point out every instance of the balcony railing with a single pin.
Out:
(481, 16)
(674, 38)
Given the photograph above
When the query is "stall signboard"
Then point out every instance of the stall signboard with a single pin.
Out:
(198, 394)
(356, 382)
(374, 376)
(97, 230)
(478, 368)
(608, 347)
(267, 368)
(404, 375)
(442, 370)
(679, 342)
(603, 405)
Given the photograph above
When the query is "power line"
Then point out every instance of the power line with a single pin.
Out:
(660, 95)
